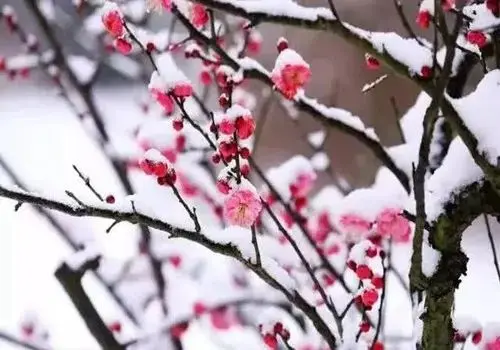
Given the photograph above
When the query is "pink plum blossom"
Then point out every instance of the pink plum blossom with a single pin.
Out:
(355, 223)
(242, 208)
(493, 344)
(390, 223)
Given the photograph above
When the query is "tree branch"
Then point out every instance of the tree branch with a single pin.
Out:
(136, 217)
(71, 282)
(302, 103)
(321, 19)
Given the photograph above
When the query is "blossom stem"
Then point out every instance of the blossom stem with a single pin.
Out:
(256, 245)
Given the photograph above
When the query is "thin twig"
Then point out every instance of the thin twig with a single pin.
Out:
(492, 245)
(256, 245)
(405, 22)
(397, 115)
(19, 342)
(307, 266)
(334, 10)
(86, 181)
(191, 212)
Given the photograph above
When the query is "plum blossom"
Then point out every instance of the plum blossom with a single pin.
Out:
(290, 73)
(242, 207)
(198, 15)
(112, 20)
(493, 344)
(163, 91)
(254, 42)
(303, 184)
(355, 224)
(390, 223)
(123, 46)
(477, 38)
(371, 62)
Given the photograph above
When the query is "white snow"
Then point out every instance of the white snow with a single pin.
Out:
(316, 138)
(320, 161)
(281, 8)
(482, 18)
(283, 176)
(341, 115)
(457, 171)
(82, 67)
(78, 259)
(288, 57)
(430, 257)
(478, 111)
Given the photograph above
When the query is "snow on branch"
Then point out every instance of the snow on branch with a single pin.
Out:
(269, 270)
(333, 117)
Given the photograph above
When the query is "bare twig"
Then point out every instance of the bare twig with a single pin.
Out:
(86, 181)
(492, 245)
(307, 266)
(19, 342)
(191, 212)
(397, 115)
(256, 246)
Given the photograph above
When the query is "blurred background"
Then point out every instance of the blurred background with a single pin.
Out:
(338, 75)
(42, 152)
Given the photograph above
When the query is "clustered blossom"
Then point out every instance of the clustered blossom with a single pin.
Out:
(232, 128)
(165, 92)
(493, 344)
(290, 73)
(477, 38)
(270, 334)
(154, 163)
(389, 223)
(113, 22)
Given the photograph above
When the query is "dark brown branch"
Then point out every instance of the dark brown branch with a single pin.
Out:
(397, 116)
(191, 212)
(256, 246)
(71, 282)
(405, 22)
